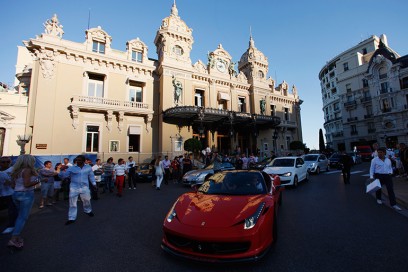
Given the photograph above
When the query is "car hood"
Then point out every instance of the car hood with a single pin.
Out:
(278, 170)
(196, 209)
(199, 171)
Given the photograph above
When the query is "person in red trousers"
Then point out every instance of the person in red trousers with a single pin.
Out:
(120, 173)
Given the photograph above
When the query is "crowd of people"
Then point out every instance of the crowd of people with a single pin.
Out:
(85, 180)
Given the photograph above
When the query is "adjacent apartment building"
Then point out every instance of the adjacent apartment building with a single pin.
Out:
(365, 96)
(89, 97)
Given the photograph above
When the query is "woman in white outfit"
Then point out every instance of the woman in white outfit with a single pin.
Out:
(159, 171)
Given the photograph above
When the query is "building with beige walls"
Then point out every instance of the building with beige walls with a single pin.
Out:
(13, 112)
(89, 97)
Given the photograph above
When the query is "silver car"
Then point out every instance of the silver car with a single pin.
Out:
(198, 176)
(316, 163)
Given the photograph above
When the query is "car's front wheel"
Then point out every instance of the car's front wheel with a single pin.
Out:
(295, 181)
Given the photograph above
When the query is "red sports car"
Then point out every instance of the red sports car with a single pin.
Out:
(231, 217)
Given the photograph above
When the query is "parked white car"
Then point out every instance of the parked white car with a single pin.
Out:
(291, 170)
(316, 163)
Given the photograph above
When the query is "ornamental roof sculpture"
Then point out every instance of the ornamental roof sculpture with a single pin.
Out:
(253, 55)
(175, 23)
(53, 27)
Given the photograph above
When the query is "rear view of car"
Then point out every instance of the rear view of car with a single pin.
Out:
(365, 152)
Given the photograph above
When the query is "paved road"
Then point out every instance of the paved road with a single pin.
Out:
(323, 226)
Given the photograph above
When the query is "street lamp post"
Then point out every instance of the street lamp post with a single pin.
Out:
(22, 140)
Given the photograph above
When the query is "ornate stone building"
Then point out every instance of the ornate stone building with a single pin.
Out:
(89, 97)
(364, 92)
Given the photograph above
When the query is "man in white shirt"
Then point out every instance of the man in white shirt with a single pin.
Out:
(381, 169)
(166, 166)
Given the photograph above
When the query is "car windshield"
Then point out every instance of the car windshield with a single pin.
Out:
(311, 157)
(234, 183)
(335, 156)
(283, 162)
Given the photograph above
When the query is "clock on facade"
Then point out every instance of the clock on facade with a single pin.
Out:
(221, 66)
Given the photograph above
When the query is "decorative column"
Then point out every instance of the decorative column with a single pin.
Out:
(109, 116)
(120, 120)
(75, 114)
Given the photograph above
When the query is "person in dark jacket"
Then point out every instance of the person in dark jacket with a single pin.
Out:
(346, 162)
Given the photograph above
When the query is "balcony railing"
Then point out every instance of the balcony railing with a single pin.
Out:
(366, 99)
(371, 130)
(351, 119)
(367, 116)
(338, 134)
(355, 132)
(101, 103)
(352, 103)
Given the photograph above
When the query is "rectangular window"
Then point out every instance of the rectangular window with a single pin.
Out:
(134, 138)
(404, 83)
(199, 98)
(345, 66)
(98, 47)
(92, 139)
(136, 56)
(348, 87)
(222, 105)
(288, 142)
(95, 85)
(365, 83)
(273, 110)
(384, 88)
(364, 51)
(135, 91)
(241, 104)
(286, 114)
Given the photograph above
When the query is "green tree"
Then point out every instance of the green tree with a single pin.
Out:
(321, 141)
(192, 145)
(297, 145)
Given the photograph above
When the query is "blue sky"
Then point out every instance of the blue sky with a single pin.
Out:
(298, 37)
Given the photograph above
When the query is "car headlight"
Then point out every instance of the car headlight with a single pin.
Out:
(250, 222)
(312, 165)
(287, 174)
(172, 214)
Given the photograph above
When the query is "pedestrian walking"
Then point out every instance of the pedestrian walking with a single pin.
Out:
(120, 171)
(24, 177)
(166, 166)
(98, 171)
(57, 184)
(108, 175)
(159, 171)
(47, 184)
(6, 193)
(346, 163)
(381, 169)
(131, 169)
(80, 175)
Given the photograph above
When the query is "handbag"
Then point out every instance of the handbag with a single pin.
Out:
(373, 186)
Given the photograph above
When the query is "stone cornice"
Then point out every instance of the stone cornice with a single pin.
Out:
(82, 54)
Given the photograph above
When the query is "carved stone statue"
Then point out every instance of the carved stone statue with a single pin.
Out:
(178, 90)
(294, 91)
(231, 69)
(263, 105)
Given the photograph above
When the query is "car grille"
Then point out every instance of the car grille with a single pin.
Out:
(207, 247)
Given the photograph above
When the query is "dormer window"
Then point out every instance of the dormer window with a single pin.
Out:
(98, 47)
(136, 56)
